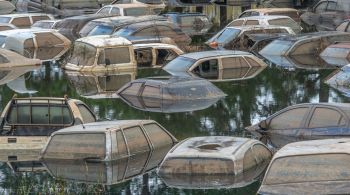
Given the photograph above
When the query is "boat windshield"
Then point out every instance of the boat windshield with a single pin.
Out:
(180, 64)
(101, 30)
(277, 47)
(227, 35)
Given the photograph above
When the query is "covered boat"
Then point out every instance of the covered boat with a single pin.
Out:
(106, 141)
(101, 53)
(214, 155)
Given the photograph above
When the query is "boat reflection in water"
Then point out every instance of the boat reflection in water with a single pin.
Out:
(170, 95)
(107, 173)
(215, 181)
(310, 62)
(277, 141)
(99, 85)
(8, 74)
(22, 161)
(14, 78)
(167, 106)
(340, 80)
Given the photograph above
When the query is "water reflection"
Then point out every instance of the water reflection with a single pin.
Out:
(26, 166)
(336, 61)
(99, 85)
(298, 61)
(170, 94)
(248, 102)
(166, 105)
(340, 80)
(216, 181)
(8, 74)
(107, 173)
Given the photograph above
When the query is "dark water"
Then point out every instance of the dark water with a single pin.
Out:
(246, 103)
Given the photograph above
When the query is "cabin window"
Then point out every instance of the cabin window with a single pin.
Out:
(29, 48)
(254, 13)
(3, 60)
(113, 82)
(136, 164)
(88, 117)
(228, 35)
(147, 32)
(28, 43)
(262, 153)
(144, 57)
(21, 22)
(252, 62)
(321, 7)
(332, 6)
(188, 20)
(45, 25)
(122, 150)
(167, 32)
(308, 48)
(149, 103)
(207, 69)
(104, 10)
(150, 91)
(164, 56)
(285, 22)
(101, 30)
(249, 160)
(136, 140)
(309, 168)
(83, 54)
(235, 62)
(39, 114)
(325, 117)
(252, 71)
(237, 23)
(5, 19)
(234, 73)
(86, 30)
(133, 89)
(38, 18)
(290, 119)
(77, 146)
(115, 11)
(252, 22)
(19, 115)
(157, 135)
(180, 64)
(120, 170)
(114, 56)
(277, 47)
(136, 11)
(47, 40)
